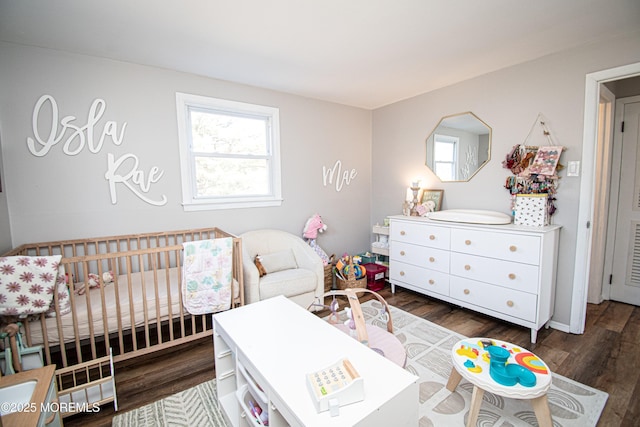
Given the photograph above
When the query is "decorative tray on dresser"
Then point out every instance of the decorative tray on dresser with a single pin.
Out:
(505, 271)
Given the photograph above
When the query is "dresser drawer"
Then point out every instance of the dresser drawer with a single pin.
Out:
(521, 305)
(422, 256)
(423, 278)
(420, 234)
(506, 246)
(508, 274)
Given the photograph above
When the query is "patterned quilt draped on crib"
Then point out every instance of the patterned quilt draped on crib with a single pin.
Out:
(28, 284)
(207, 275)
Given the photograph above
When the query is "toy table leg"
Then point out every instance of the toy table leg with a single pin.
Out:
(474, 409)
(454, 380)
(541, 408)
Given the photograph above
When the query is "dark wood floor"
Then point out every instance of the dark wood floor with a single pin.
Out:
(606, 357)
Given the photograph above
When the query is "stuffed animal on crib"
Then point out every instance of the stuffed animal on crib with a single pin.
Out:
(94, 281)
(312, 227)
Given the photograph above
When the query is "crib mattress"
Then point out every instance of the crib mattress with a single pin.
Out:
(156, 293)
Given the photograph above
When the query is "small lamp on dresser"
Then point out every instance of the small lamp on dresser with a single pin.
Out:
(415, 189)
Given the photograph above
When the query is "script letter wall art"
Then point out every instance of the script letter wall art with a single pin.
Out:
(335, 173)
(74, 138)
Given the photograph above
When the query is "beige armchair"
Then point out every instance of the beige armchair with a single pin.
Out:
(293, 268)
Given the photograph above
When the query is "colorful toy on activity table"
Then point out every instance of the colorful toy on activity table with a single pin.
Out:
(508, 374)
(488, 352)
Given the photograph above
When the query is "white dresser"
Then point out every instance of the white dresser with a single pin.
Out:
(505, 271)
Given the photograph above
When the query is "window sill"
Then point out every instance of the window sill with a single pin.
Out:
(208, 206)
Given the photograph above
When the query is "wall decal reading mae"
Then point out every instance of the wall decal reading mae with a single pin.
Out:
(335, 173)
(79, 137)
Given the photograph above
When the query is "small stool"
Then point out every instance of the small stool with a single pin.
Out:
(471, 362)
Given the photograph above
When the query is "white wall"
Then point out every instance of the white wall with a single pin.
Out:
(509, 101)
(5, 224)
(58, 196)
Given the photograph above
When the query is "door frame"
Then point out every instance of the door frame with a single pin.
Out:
(602, 197)
(587, 192)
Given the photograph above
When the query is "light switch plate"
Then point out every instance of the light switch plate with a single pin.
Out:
(573, 169)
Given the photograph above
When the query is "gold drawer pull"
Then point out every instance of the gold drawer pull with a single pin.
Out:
(432, 237)
(432, 259)
(402, 233)
(467, 267)
(467, 242)
(510, 303)
(432, 282)
(402, 253)
(467, 291)
(402, 273)
(512, 276)
(513, 248)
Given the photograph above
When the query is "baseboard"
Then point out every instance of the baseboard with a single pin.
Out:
(560, 326)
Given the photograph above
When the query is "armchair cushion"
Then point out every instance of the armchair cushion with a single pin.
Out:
(290, 283)
(278, 261)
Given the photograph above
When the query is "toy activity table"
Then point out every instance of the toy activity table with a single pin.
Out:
(525, 375)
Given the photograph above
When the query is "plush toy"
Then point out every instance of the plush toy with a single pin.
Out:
(350, 322)
(259, 266)
(94, 281)
(313, 226)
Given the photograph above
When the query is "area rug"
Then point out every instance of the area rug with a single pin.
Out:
(194, 407)
(428, 357)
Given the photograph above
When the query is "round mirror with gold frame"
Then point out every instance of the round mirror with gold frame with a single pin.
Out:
(458, 147)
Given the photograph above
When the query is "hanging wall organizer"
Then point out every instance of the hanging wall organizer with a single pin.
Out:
(535, 175)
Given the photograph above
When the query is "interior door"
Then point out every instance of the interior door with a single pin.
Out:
(625, 277)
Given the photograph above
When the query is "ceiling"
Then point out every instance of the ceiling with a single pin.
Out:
(363, 53)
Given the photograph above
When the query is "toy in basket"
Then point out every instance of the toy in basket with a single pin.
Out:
(350, 274)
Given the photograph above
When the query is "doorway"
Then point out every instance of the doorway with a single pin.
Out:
(623, 240)
(588, 197)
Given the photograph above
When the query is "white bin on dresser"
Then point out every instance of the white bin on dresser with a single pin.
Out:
(505, 271)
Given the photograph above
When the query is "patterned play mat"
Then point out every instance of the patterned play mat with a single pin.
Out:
(429, 357)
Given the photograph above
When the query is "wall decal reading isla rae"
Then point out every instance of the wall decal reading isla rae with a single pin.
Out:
(124, 170)
(335, 173)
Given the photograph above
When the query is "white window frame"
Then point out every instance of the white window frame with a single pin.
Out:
(184, 102)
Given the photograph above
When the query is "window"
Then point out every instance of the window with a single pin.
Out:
(445, 154)
(229, 153)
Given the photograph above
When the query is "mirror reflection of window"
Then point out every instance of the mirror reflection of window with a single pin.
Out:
(445, 155)
(464, 147)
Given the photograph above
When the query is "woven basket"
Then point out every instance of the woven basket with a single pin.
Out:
(328, 277)
(351, 282)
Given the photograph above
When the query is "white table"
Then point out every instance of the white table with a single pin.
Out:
(471, 362)
(274, 343)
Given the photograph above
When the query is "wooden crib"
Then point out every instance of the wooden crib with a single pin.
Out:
(136, 307)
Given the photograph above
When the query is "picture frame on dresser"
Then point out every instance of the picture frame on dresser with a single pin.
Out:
(432, 199)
